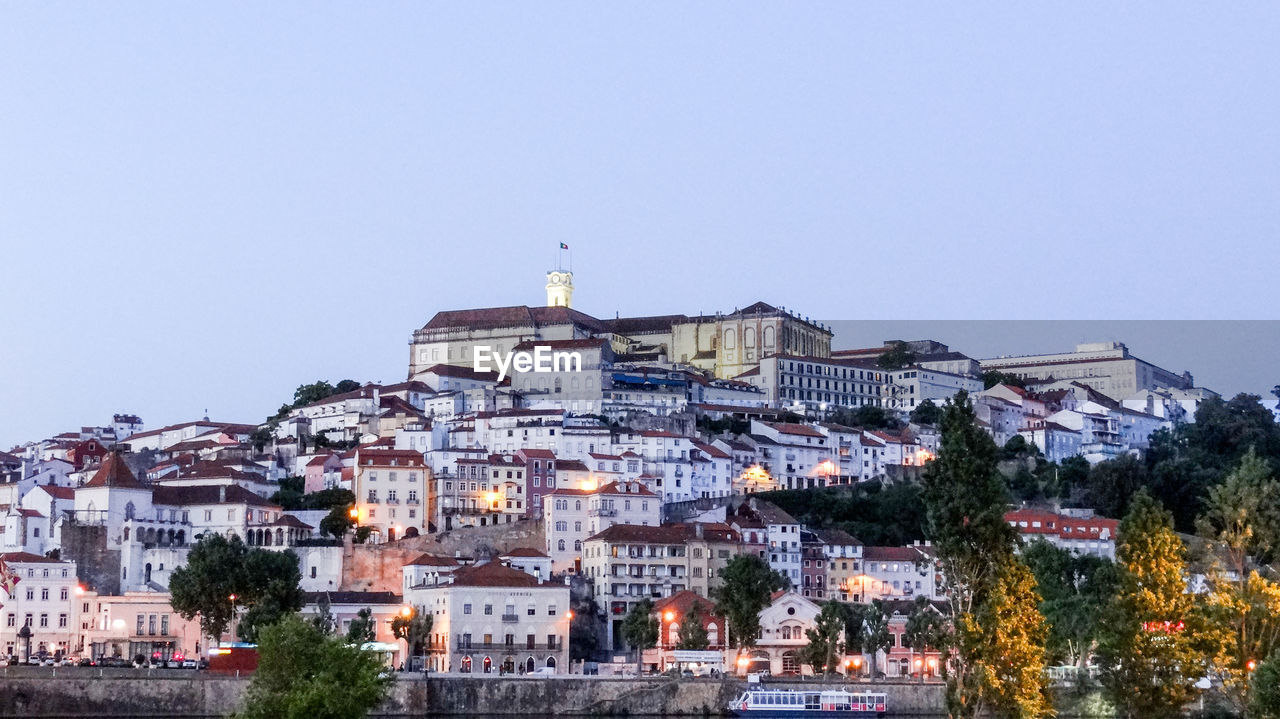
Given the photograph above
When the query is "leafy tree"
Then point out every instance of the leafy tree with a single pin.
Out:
(876, 635)
(1113, 483)
(1012, 632)
(966, 499)
(262, 436)
(269, 589)
(338, 521)
(290, 495)
(1264, 701)
(324, 619)
(364, 628)
(746, 588)
(1147, 649)
(892, 515)
(1242, 519)
(1075, 589)
(584, 629)
(868, 417)
(204, 586)
(692, 633)
(992, 377)
(264, 582)
(1017, 447)
(925, 628)
(304, 673)
(345, 386)
(640, 628)
(896, 356)
(926, 413)
(413, 629)
(823, 650)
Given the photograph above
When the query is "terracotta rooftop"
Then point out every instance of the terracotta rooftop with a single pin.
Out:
(114, 473)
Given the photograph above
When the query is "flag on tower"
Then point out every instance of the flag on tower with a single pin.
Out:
(563, 246)
(8, 578)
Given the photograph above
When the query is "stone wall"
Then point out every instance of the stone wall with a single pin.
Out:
(377, 567)
(97, 567)
(69, 693)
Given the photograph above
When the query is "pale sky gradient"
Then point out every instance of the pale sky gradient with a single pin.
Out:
(203, 205)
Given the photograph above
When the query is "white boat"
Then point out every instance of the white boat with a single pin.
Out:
(763, 702)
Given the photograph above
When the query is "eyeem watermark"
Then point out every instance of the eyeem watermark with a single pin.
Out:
(541, 359)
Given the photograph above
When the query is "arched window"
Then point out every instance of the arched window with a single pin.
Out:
(126, 534)
(551, 662)
(129, 510)
(730, 339)
(530, 665)
(673, 633)
(768, 336)
(466, 665)
(488, 665)
(577, 505)
(577, 545)
(749, 337)
(713, 634)
(560, 545)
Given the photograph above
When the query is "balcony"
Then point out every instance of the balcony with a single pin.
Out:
(510, 618)
(603, 512)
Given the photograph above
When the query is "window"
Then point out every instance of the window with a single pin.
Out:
(44, 620)
(63, 594)
(551, 610)
(44, 594)
(164, 624)
(466, 608)
(488, 609)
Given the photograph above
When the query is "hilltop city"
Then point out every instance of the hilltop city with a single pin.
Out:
(541, 473)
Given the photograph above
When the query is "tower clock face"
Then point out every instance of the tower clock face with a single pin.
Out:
(555, 278)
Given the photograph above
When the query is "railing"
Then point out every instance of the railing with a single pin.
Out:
(603, 512)
(510, 618)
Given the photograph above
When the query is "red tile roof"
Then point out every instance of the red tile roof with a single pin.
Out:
(114, 473)
(26, 557)
(802, 430)
(524, 552)
(493, 574)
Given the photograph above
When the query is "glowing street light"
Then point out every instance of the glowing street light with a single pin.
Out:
(354, 513)
(669, 616)
(406, 611)
(569, 614)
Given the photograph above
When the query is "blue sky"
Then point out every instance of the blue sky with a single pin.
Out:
(204, 205)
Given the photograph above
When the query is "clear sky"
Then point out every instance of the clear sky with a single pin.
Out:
(203, 205)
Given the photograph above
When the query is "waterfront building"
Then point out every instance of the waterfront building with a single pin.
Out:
(43, 600)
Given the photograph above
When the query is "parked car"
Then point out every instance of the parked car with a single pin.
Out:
(190, 664)
(85, 662)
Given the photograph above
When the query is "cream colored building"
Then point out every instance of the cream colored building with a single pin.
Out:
(488, 618)
(627, 563)
(136, 623)
(391, 492)
(572, 515)
(1105, 366)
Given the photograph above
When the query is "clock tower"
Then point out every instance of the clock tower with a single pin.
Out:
(559, 288)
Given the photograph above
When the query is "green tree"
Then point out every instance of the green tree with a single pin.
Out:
(823, 650)
(640, 628)
(338, 521)
(1264, 700)
(364, 628)
(205, 586)
(692, 633)
(926, 413)
(855, 627)
(875, 634)
(966, 500)
(290, 494)
(324, 619)
(413, 628)
(1075, 589)
(925, 629)
(746, 587)
(305, 674)
(263, 582)
(1241, 519)
(896, 356)
(1012, 633)
(992, 377)
(584, 629)
(1147, 648)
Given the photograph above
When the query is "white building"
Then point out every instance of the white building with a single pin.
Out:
(44, 599)
(488, 618)
(572, 515)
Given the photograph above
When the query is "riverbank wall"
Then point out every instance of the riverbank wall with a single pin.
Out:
(68, 694)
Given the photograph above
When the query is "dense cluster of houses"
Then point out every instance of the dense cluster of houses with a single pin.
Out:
(636, 463)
